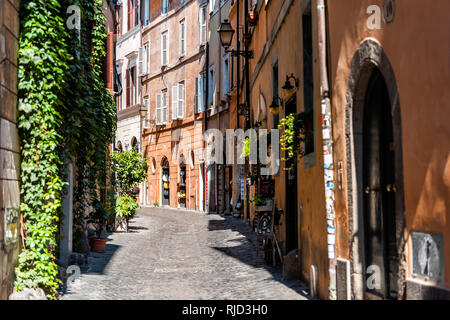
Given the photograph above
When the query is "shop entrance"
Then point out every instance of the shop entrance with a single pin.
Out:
(165, 182)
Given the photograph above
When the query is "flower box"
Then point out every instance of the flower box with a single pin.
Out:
(267, 207)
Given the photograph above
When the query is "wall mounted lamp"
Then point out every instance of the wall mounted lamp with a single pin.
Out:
(288, 88)
(274, 108)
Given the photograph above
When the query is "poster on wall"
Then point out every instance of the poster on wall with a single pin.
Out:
(11, 225)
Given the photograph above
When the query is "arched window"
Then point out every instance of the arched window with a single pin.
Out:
(134, 144)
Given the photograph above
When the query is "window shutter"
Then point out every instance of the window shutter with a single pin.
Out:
(181, 100)
(196, 99)
(202, 93)
(147, 117)
(129, 15)
(166, 109)
(202, 24)
(141, 61)
(147, 59)
(128, 80)
(164, 55)
(174, 102)
(158, 109)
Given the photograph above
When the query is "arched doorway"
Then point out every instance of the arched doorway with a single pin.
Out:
(380, 248)
(375, 177)
(165, 172)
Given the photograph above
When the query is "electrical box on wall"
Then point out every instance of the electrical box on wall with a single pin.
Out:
(427, 256)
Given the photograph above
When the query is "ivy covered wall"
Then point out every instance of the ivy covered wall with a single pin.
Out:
(65, 114)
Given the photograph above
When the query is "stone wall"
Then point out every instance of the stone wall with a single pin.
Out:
(9, 145)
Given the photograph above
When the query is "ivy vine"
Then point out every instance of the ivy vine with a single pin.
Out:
(65, 114)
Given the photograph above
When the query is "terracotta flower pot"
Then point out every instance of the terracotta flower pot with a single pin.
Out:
(98, 245)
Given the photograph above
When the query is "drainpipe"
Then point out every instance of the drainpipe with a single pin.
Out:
(205, 118)
(327, 134)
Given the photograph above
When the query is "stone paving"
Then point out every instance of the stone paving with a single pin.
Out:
(175, 254)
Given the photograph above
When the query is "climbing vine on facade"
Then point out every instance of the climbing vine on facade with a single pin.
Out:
(65, 115)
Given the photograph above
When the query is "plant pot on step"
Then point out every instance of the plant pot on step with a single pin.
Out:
(98, 245)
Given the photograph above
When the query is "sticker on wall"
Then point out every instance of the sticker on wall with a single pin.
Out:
(326, 134)
(326, 121)
(328, 161)
(331, 239)
(330, 227)
(329, 175)
(324, 107)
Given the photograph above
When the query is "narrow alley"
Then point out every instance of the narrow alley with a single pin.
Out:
(172, 254)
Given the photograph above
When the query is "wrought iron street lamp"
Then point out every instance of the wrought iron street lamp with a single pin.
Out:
(226, 33)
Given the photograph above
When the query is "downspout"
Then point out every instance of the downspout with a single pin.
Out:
(327, 134)
(205, 121)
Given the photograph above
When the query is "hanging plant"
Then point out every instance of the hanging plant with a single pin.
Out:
(292, 138)
(245, 148)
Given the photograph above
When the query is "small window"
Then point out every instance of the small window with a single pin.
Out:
(226, 76)
(146, 12)
(182, 35)
(202, 24)
(165, 6)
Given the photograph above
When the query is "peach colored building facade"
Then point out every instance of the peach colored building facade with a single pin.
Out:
(400, 48)
(172, 91)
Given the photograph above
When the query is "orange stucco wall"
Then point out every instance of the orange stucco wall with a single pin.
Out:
(287, 49)
(417, 46)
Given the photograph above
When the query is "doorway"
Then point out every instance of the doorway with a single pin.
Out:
(291, 193)
(380, 246)
(165, 182)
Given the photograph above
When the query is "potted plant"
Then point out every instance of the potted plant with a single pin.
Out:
(130, 169)
(126, 207)
(98, 218)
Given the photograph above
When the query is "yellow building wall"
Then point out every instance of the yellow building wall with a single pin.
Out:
(287, 46)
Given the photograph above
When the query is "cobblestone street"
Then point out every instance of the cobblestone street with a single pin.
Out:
(170, 254)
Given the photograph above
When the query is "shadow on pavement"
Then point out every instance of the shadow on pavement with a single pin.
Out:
(245, 251)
